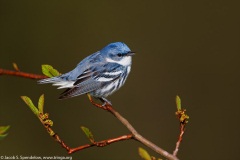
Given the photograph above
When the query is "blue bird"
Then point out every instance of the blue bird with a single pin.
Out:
(99, 74)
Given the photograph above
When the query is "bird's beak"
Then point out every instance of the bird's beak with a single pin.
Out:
(130, 53)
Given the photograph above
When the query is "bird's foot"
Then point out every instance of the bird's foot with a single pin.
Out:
(105, 101)
(105, 104)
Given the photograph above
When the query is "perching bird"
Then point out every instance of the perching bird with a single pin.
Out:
(99, 74)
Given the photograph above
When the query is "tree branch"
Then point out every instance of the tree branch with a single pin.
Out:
(183, 119)
(182, 129)
(21, 74)
(102, 143)
(48, 123)
(135, 134)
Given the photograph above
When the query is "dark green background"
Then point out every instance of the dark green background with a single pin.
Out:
(190, 48)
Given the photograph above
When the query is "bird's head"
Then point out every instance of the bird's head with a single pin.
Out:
(118, 52)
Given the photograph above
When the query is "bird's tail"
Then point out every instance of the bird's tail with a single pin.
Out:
(49, 80)
(57, 81)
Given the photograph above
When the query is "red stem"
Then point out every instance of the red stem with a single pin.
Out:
(21, 74)
(101, 143)
(182, 129)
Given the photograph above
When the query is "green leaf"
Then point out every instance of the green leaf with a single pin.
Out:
(15, 67)
(49, 71)
(178, 103)
(144, 154)
(88, 134)
(3, 129)
(28, 101)
(41, 103)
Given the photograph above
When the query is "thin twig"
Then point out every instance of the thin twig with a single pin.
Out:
(21, 74)
(183, 119)
(182, 129)
(102, 143)
(44, 120)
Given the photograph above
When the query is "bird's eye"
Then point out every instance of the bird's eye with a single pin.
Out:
(119, 55)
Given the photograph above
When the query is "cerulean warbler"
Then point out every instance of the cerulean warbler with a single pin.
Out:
(99, 74)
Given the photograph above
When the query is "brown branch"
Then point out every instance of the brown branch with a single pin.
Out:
(135, 134)
(48, 123)
(183, 119)
(182, 129)
(102, 143)
(21, 74)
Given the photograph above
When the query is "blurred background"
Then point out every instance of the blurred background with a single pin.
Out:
(189, 48)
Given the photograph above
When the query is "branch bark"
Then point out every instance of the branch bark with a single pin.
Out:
(183, 119)
(44, 120)
(182, 130)
(101, 143)
(21, 74)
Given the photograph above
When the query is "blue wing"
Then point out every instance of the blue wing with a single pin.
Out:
(93, 78)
